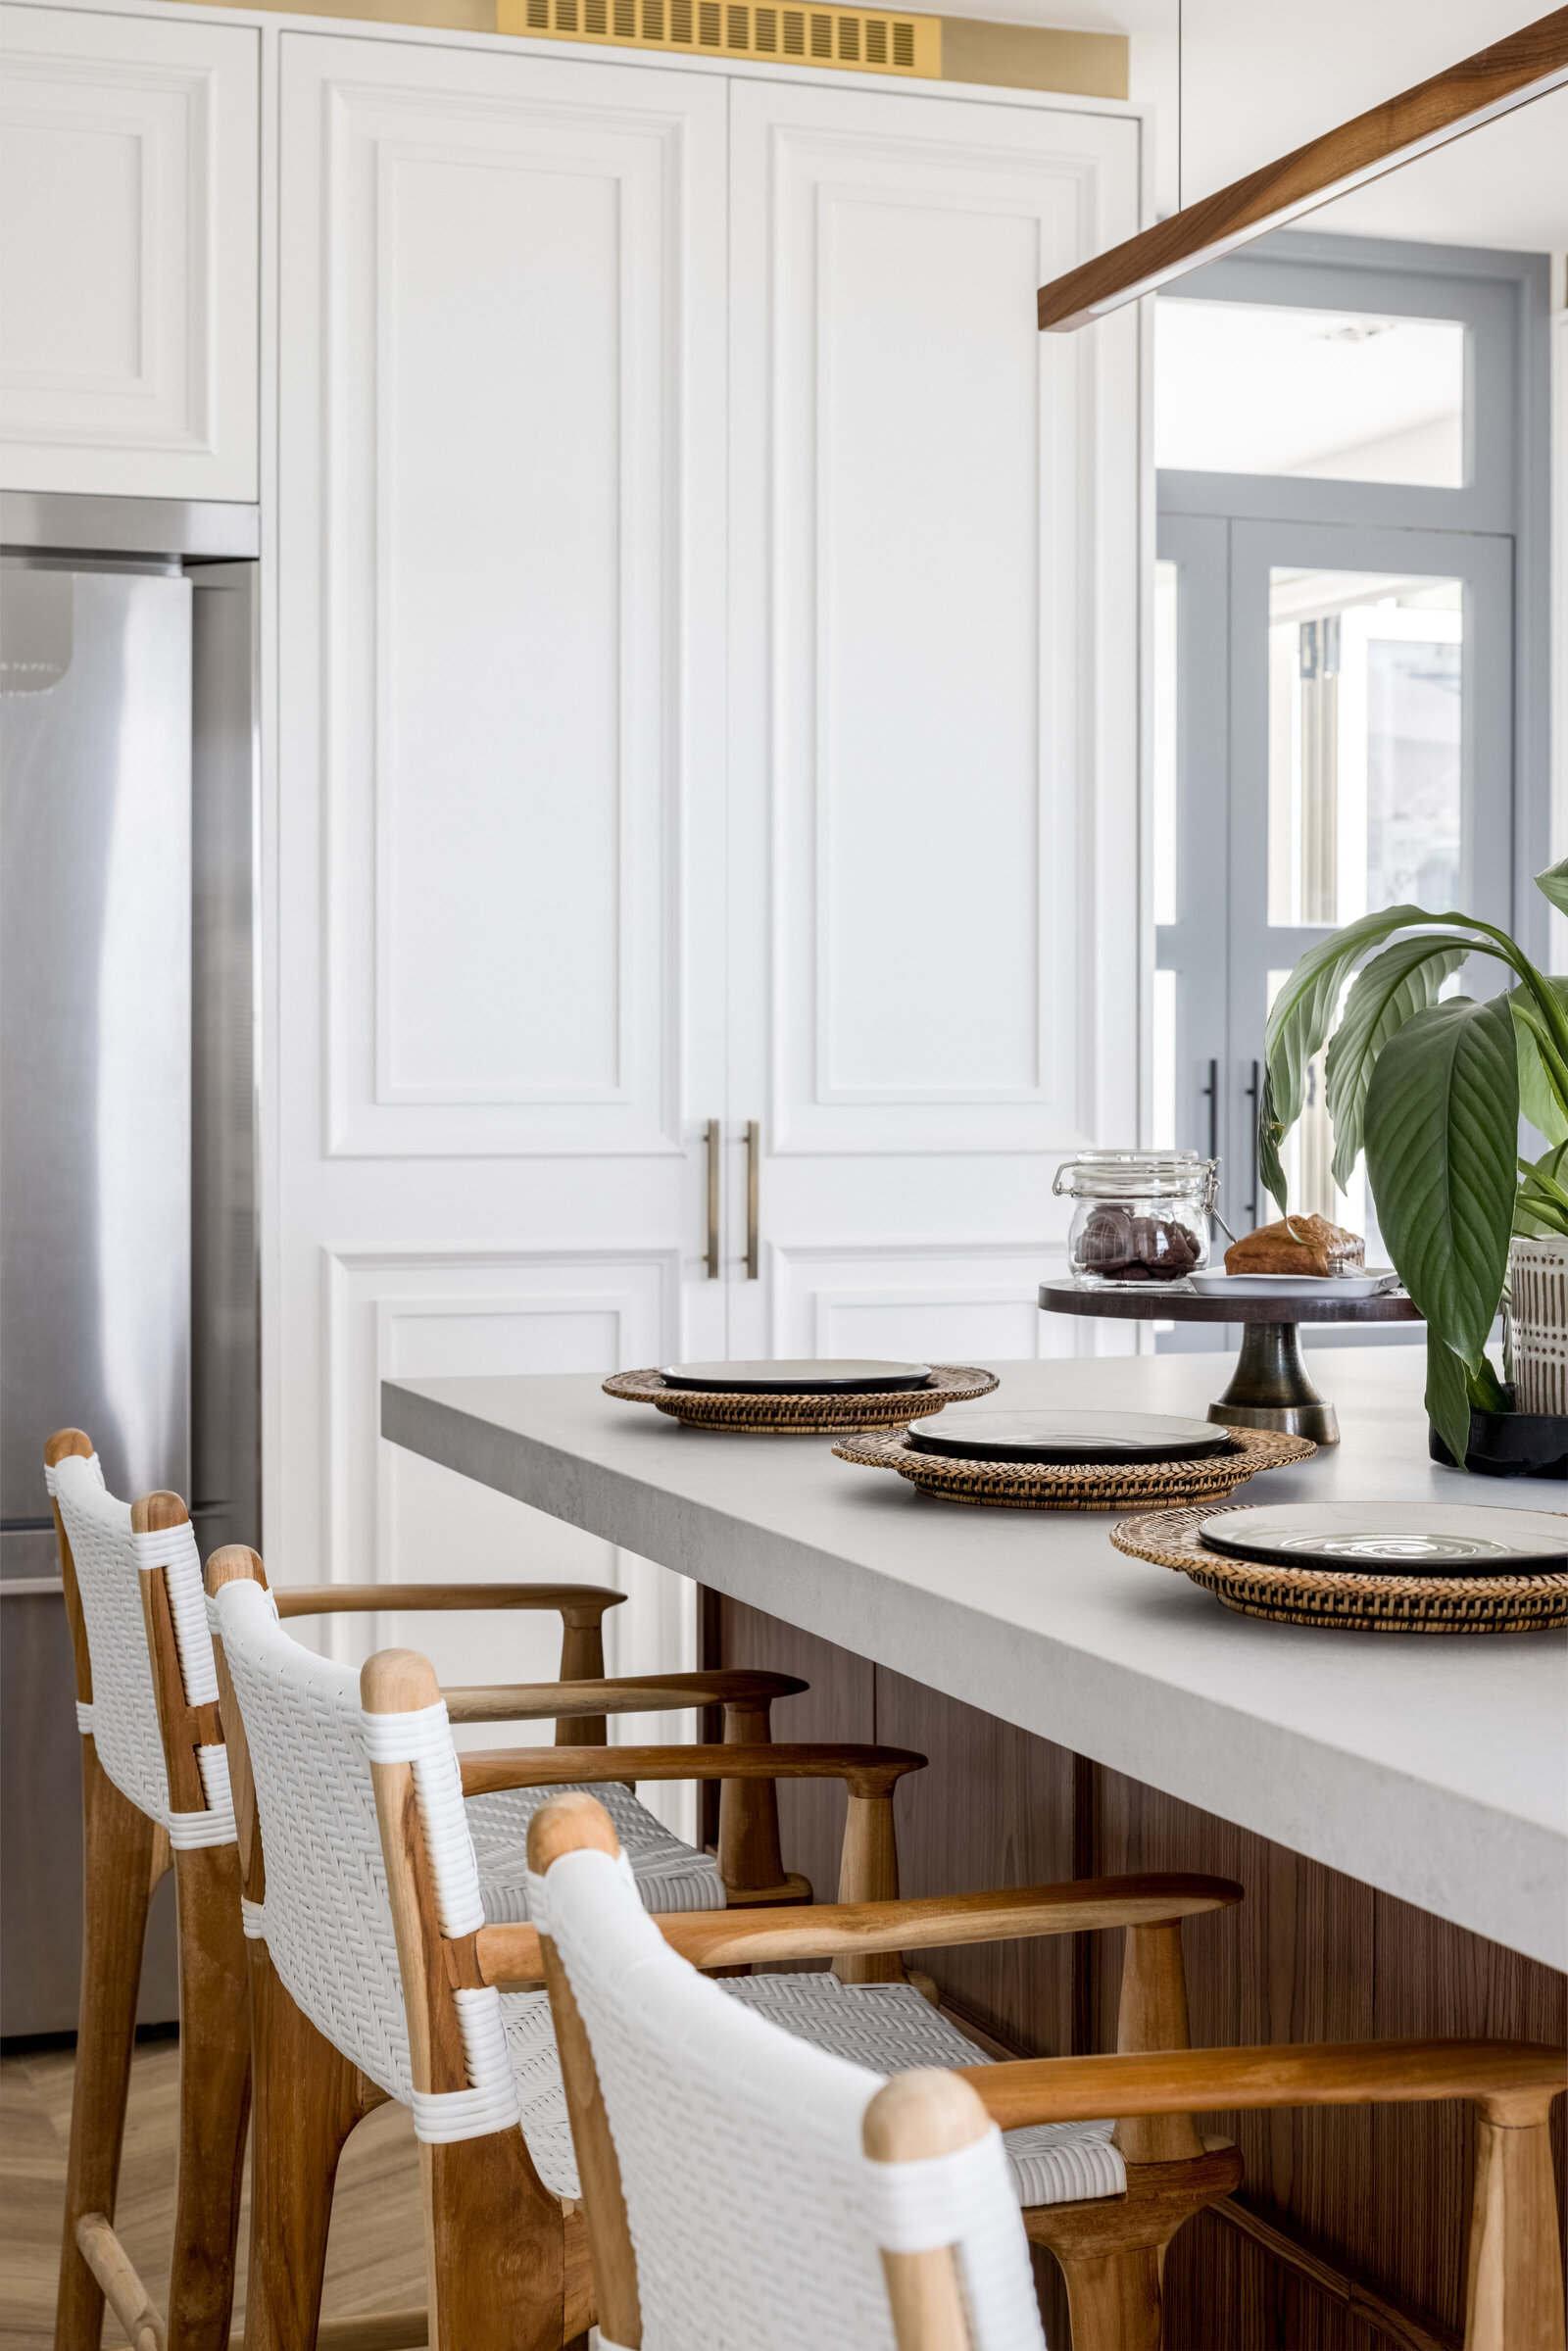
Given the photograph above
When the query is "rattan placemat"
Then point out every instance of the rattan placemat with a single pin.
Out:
(1078, 1484)
(1329, 1596)
(807, 1415)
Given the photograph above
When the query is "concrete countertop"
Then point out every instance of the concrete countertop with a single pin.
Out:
(1434, 1768)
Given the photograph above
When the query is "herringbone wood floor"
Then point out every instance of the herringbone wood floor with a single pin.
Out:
(375, 2259)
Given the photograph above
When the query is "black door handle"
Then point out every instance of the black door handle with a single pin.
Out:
(1210, 1094)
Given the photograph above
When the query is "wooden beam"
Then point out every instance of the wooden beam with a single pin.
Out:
(1511, 72)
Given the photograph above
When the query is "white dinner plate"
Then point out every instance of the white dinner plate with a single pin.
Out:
(828, 1375)
(1382, 1539)
(1295, 1285)
(967, 1433)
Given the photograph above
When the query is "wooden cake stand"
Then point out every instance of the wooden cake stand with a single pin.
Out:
(1269, 1388)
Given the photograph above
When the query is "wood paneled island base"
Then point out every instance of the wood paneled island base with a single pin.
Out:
(1351, 2229)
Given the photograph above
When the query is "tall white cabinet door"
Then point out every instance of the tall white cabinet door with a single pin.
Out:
(934, 698)
(129, 202)
(498, 825)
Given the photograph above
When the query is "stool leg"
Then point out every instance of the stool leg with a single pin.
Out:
(118, 1842)
(1112, 2250)
(1514, 2297)
(307, 2098)
(495, 2248)
(1114, 2301)
(215, 2097)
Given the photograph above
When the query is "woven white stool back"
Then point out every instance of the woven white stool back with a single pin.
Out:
(755, 2217)
(124, 1715)
(328, 1916)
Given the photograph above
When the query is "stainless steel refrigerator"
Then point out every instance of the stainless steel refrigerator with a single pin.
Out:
(127, 1128)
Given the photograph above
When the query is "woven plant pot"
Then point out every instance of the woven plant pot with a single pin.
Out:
(1538, 1311)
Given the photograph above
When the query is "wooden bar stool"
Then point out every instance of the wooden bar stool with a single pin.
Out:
(739, 2186)
(156, 1790)
(132, 1587)
(331, 2039)
(453, 1965)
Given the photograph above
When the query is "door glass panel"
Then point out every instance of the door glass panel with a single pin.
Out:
(1162, 1134)
(1240, 387)
(1365, 744)
(1166, 578)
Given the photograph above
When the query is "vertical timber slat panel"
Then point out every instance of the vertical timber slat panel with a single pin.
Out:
(840, 1704)
(1016, 1830)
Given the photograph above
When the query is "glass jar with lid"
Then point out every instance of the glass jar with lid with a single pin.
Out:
(1139, 1217)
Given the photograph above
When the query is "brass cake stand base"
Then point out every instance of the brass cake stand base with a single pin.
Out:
(1269, 1388)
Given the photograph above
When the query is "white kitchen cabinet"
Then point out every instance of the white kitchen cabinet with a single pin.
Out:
(933, 706)
(499, 826)
(129, 207)
(708, 689)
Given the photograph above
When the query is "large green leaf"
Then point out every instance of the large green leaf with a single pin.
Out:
(1554, 883)
(1270, 1135)
(1302, 1016)
(1442, 1126)
(1542, 1074)
(1397, 985)
(1447, 1397)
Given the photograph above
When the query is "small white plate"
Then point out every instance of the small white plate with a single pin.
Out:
(1370, 1284)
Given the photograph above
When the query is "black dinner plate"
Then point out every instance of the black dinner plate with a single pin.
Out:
(829, 1375)
(1393, 1539)
(967, 1433)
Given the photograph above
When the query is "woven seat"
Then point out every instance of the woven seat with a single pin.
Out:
(884, 2028)
(670, 1874)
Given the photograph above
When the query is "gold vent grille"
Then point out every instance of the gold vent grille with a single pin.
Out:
(862, 41)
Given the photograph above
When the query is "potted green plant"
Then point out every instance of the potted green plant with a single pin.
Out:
(1432, 1089)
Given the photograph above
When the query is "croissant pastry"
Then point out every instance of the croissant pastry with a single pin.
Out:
(1297, 1244)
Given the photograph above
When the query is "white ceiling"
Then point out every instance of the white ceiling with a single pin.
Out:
(1245, 388)
(1258, 78)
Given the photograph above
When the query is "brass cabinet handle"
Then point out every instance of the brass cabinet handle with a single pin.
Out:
(754, 1170)
(714, 1162)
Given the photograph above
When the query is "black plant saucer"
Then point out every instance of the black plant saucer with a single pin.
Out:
(1510, 1445)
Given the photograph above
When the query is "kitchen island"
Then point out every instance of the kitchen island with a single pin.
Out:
(1396, 1806)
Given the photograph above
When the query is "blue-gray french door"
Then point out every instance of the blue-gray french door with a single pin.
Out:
(1338, 729)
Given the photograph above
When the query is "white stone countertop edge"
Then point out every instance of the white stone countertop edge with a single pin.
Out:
(1502, 1873)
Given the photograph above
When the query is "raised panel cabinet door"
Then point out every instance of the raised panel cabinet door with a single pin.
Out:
(499, 823)
(935, 918)
(130, 212)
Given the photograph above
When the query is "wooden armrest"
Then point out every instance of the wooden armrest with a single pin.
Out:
(1512, 2082)
(631, 1693)
(330, 1599)
(712, 1938)
(867, 1771)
